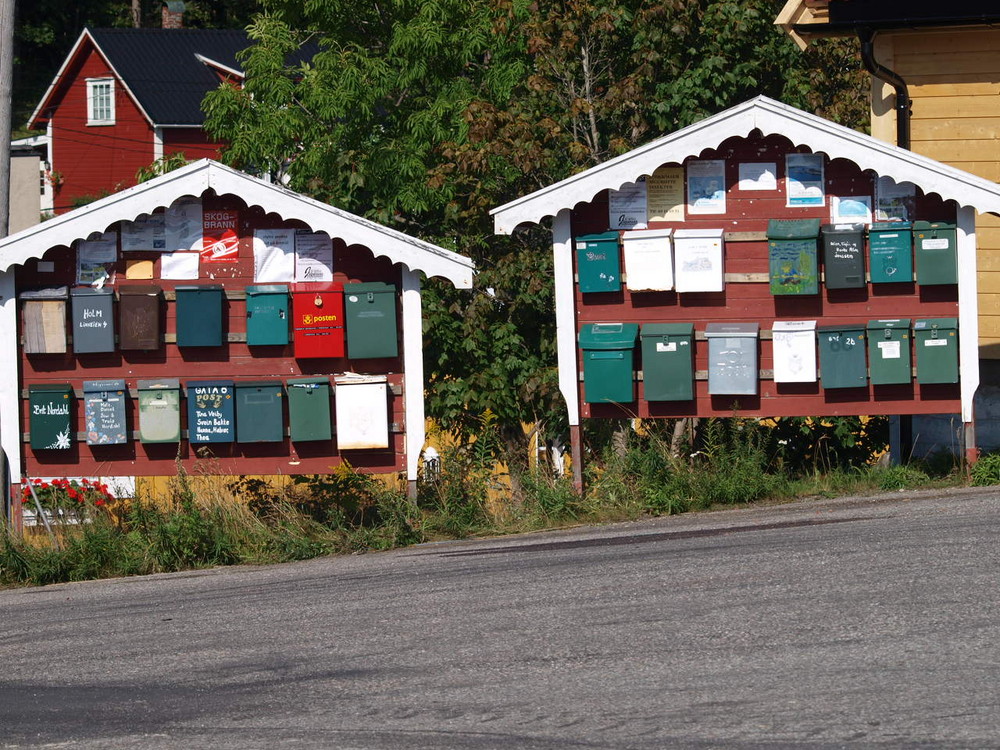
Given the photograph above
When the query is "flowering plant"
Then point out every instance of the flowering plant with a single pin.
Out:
(64, 498)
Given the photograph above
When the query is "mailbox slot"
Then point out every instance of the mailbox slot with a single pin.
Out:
(370, 317)
(309, 409)
(936, 253)
(598, 262)
(93, 320)
(199, 315)
(211, 411)
(889, 351)
(698, 260)
(608, 355)
(159, 410)
(105, 414)
(649, 259)
(936, 344)
(890, 251)
(793, 347)
(792, 252)
(267, 315)
(139, 315)
(318, 320)
(732, 358)
(844, 256)
(842, 356)
(44, 320)
(668, 361)
(259, 412)
(50, 416)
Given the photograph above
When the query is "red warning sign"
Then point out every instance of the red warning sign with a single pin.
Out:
(221, 243)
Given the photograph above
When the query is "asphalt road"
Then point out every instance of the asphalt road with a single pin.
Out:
(837, 624)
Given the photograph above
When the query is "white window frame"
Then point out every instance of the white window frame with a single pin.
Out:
(106, 116)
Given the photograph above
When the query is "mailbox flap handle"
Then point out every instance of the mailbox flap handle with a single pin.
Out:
(371, 297)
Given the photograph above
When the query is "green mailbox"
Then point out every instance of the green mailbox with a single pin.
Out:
(309, 409)
(936, 253)
(199, 315)
(792, 253)
(159, 410)
(598, 262)
(842, 356)
(267, 315)
(668, 361)
(844, 256)
(259, 412)
(889, 351)
(370, 320)
(936, 344)
(50, 417)
(890, 252)
(608, 353)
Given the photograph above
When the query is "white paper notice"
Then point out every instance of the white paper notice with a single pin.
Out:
(147, 233)
(178, 266)
(758, 176)
(362, 415)
(184, 230)
(313, 256)
(706, 186)
(894, 201)
(804, 181)
(889, 349)
(855, 209)
(627, 207)
(95, 259)
(273, 255)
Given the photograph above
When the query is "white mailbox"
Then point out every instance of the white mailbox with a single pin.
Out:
(698, 260)
(362, 408)
(649, 260)
(794, 351)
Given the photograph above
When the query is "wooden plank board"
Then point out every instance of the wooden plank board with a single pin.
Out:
(952, 107)
(951, 152)
(956, 128)
(927, 42)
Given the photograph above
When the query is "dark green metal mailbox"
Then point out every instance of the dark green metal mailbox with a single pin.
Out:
(792, 251)
(267, 315)
(93, 320)
(936, 251)
(598, 262)
(668, 361)
(732, 358)
(259, 412)
(936, 343)
(890, 252)
(199, 315)
(50, 417)
(608, 355)
(104, 403)
(211, 411)
(370, 319)
(889, 351)
(309, 409)
(842, 356)
(159, 410)
(844, 256)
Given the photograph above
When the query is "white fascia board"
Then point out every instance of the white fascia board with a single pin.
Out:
(197, 177)
(214, 64)
(771, 118)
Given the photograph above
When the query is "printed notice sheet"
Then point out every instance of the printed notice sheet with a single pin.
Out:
(273, 255)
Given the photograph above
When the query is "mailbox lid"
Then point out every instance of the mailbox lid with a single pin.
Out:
(731, 330)
(199, 315)
(667, 361)
(93, 320)
(843, 255)
(732, 358)
(139, 314)
(935, 342)
(793, 229)
(267, 315)
(370, 319)
(49, 416)
(598, 262)
(649, 259)
(890, 250)
(698, 260)
(104, 404)
(211, 411)
(44, 320)
(609, 335)
(318, 319)
(159, 410)
(842, 360)
(793, 349)
(260, 411)
(935, 248)
(309, 409)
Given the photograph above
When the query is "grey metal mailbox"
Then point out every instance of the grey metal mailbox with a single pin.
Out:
(104, 404)
(732, 358)
(93, 320)
(160, 410)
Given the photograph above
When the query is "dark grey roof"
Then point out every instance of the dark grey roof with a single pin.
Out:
(161, 68)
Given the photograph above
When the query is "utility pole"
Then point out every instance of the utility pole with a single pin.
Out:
(6, 86)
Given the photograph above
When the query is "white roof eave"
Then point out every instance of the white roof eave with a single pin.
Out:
(194, 179)
(771, 118)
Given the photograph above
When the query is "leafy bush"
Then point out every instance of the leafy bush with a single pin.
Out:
(986, 470)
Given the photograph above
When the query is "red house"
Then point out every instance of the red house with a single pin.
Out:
(126, 97)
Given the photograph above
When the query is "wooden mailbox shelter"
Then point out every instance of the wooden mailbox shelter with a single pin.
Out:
(203, 275)
(747, 149)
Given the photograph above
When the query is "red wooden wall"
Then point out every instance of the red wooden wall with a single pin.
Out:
(232, 361)
(192, 142)
(753, 302)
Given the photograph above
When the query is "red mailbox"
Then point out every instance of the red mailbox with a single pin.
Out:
(318, 320)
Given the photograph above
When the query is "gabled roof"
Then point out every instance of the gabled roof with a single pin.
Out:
(769, 117)
(200, 176)
(167, 72)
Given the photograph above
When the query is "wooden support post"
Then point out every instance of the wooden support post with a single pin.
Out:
(576, 454)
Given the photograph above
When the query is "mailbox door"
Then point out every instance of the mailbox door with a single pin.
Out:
(104, 411)
(44, 321)
(889, 351)
(139, 309)
(890, 249)
(267, 315)
(732, 359)
(936, 253)
(318, 320)
(842, 357)
(608, 362)
(260, 412)
(50, 416)
(159, 411)
(649, 259)
(370, 312)
(793, 347)
(309, 409)
(598, 262)
(211, 411)
(936, 343)
(93, 320)
(199, 315)
(362, 409)
(844, 256)
(792, 250)
(668, 361)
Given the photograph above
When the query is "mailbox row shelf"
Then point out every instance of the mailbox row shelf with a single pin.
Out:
(850, 356)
